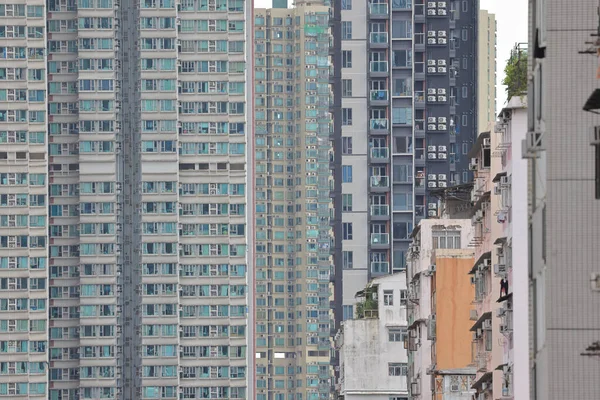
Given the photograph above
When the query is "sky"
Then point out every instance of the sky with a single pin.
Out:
(511, 17)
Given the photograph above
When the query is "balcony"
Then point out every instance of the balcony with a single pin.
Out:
(381, 154)
(380, 266)
(379, 97)
(419, 99)
(379, 40)
(380, 211)
(380, 125)
(378, 68)
(380, 239)
(379, 10)
(379, 182)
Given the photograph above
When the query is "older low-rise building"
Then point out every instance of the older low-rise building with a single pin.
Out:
(439, 342)
(372, 353)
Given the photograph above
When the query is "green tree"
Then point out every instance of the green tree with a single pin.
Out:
(515, 74)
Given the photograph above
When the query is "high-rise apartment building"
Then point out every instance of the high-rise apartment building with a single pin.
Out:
(486, 70)
(563, 200)
(293, 205)
(124, 205)
(409, 82)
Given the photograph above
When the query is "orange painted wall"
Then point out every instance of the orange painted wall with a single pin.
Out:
(454, 297)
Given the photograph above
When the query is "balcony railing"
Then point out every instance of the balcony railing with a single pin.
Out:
(379, 66)
(380, 266)
(380, 238)
(401, 4)
(419, 125)
(419, 96)
(379, 37)
(380, 181)
(380, 210)
(379, 95)
(379, 123)
(378, 8)
(379, 153)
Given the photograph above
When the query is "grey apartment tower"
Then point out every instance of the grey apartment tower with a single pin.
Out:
(409, 118)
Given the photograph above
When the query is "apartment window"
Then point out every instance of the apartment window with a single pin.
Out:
(348, 312)
(397, 369)
(346, 202)
(402, 87)
(346, 116)
(397, 334)
(346, 4)
(465, 63)
(346, 145)
(402, 29)
(388, 297)
(465, 120)
(446, 239)
(465, 6)
(465, 35)
(347, 230)
(347, 173)
(402, 58)
(347, 259)
(465, 92)
(346, 87)
(346, 30)
(346, 58)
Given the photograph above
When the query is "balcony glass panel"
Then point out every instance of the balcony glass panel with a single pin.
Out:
(380, 181)
(380, 210)
(379, 95)
(378, 8)
(401, 4)
(379, 37)
(379, 66)
(380, 238)
(378, 123)
(420, 96)
(380, 153)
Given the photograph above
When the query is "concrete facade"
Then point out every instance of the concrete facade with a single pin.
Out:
(138, 275)
(373, 358)
(428, 237)
(564, 213)
(293, 203)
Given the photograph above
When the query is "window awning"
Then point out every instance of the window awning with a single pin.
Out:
(504, 298)
(484, 316)
(486, 255)
(498, 176)
(500, 240)
(487, 377)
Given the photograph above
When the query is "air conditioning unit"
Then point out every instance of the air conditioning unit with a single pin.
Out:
(473, 315)
(486, 262)
(442, 184)
(432, 206)
(442, 177)
(500, 312)
(432, 184)
(431, 156)
(441, 4)
(431, 63)
(431, 40)
(487, 142)
(442, 70)
(431, 12)
(442, 156)
(497, 190)
(442, 12)
(442, 41)
(431, 4)
(431, 70)
(431, 177)
(431, 91)
(432, 213)
(442, 127)
(487, 324)
(442, 91)
(431, 98)
(442, 99)
(505, 180)
(442, 148)
(473, 164)
(431, 148)
(442, 33)
(479, 215)
(430, 33)
(442, 62)
(432, 127)
(499, 269)
(431, 120)
(501, 217)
